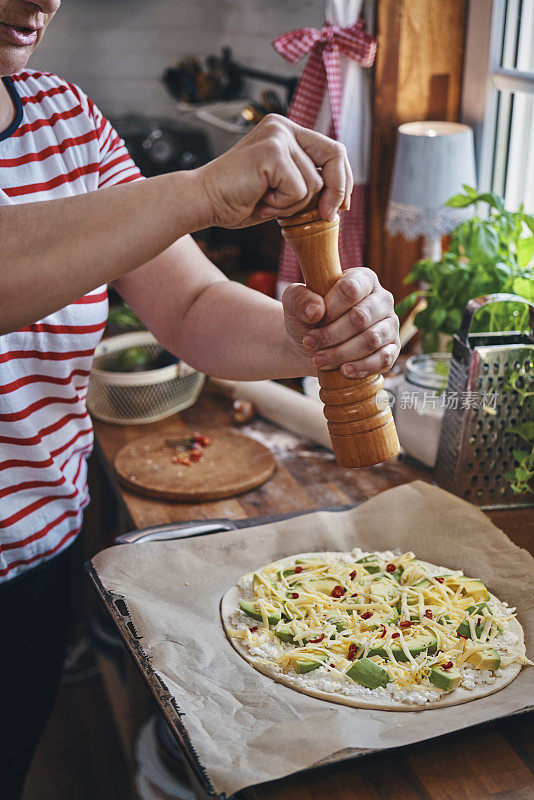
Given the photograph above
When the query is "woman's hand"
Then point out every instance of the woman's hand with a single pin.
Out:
(359, 330)
(273, 172)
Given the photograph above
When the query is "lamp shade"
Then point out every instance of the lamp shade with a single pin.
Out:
(432, 161)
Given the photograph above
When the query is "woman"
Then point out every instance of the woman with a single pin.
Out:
(56, 259)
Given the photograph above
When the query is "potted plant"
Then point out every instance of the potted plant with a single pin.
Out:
(486, 254)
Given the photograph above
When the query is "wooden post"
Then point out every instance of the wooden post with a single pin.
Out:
(417, 76)
(362, 432)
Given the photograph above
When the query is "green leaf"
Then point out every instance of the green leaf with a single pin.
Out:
(454, 319)
(484, 243)
(437, 317)
(493, 200)
(529, 221)
(525, 251)
(470, 191)
(525, 430)
(459, 201)
(522, 474)
(521, 456)
(524, 287)
(407, 303)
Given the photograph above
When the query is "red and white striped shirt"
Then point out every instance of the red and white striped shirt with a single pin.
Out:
(58, 145)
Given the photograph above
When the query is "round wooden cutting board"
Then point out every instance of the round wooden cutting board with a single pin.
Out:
(230, 465)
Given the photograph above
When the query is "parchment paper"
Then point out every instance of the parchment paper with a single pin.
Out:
(245, 727)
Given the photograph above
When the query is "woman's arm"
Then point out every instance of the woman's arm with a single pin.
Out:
(53, 252)
(229, 331)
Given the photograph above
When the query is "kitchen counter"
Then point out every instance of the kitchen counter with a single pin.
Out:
(494, 761)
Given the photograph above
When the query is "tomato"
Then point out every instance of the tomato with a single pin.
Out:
(264, 282)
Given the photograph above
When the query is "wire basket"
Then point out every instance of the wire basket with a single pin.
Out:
(139, 397)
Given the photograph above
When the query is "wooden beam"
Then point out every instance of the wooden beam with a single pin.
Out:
(417, 76)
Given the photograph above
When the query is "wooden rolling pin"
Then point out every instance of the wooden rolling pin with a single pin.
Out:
(362, 432)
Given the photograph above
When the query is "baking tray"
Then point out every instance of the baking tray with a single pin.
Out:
(116, 607)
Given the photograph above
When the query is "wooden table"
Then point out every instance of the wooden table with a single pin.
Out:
(495, 761)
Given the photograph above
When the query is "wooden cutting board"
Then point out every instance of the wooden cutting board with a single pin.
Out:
(230, 465)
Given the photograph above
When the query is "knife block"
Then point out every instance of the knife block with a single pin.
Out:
(362, 432)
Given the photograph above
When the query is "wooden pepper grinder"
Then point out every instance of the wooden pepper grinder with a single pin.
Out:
(362, 432)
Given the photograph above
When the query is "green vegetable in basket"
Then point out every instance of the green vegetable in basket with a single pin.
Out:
(133, 359)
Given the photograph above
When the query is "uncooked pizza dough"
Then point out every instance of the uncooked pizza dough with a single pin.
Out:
(374, 630)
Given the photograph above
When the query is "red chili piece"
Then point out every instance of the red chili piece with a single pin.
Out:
(383, 631)
(462, 636)
(316, 641)
(355, 594)
(395, 635)
(440, 580)
(351, 655)
(333, 665)
(367, 615)
(294, 595)
(429, 614)
(338, 591)
(352, 575)
(205, 441)
(479, 620)
(405, 624)
(391, 568)
(448, 665)
(298, 569)
(253, 629)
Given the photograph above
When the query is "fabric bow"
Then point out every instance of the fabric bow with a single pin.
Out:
(323, 68)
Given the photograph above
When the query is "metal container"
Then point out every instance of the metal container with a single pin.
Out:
(476, 447)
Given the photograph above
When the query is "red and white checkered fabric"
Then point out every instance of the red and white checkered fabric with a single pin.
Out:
(322, 72)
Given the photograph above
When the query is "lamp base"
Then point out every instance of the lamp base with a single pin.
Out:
(432, 248)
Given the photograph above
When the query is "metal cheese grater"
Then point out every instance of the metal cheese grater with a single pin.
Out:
(475, 448)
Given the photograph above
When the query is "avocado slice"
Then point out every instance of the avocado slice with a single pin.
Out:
(422, 584)
(252, 609)
(485, 659)
(475, 611)
(446, 679)
(285, 634)
(463, 628)
(304, 664)
(370, 563)
(426, 641)
(475, 589)
(368, 673)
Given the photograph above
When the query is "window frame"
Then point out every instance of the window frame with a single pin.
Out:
(489, 89)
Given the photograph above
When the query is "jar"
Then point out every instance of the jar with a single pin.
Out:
(419, 405)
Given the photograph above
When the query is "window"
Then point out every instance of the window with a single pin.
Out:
(498, 96)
